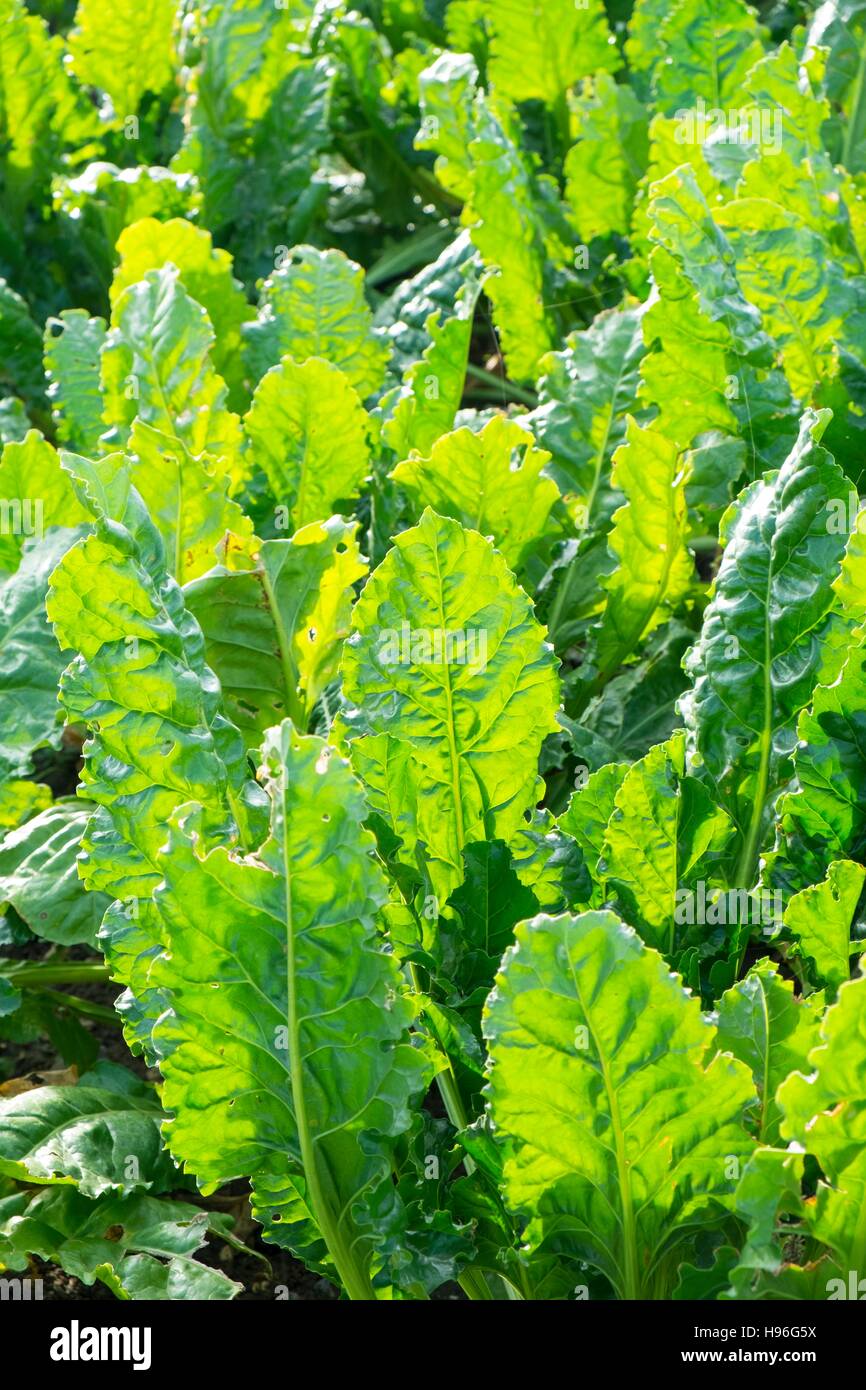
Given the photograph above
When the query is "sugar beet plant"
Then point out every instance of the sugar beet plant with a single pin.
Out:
(433, 630)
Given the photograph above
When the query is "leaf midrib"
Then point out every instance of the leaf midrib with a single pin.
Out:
(454, 757)
(354, 1278)
(629, 1231)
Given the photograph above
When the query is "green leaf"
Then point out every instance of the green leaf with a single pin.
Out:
(413, 809)
(765, 1025)
(73, 343)
(185, 497)
(706, 1283)
(20, 349)
(638, 708)
(551, 863)
(455, 1036)
(841, 30)
(618, 1135)
(14, 421)
(756, 660)
(575, 581)
(683, 224)
(687, 376)
(641, 46)
(30, 659)
(95, 206)
(36, 496)
(585, 394)
(140, 1247)
(313, 305)
(448, 660)
(39, 112)
(206, 275)
(809, 191)
(850, 582)
(539, 50)
(675, 144)
(715, 468)
(19, 800)
(820, 918)
(480, 155)
(603, 168)
(41, 1018)
(446, 92)
(824, 817)
(296, 601)
(425, 404)
(587, 815)
(808, 301)
(10, 998)
(699, 48)
(156, 367)
(434, 290)
(258, 1077)
(824, 1114)
(141, 679)
(790, 87)
(655, 570)
(257, 128)
(39, 876)
(124, 49)
(503, 220)
(664, 834)
(769, 1189)
(101, 1135)
(308, 431)
(490, 480)
(490, 901)
(713, 367)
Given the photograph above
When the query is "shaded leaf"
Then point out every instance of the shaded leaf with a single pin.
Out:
(39, 876)
(73, 343)
(100, 1135)
(140, 1247)
(273, 632)
(762, 1022)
